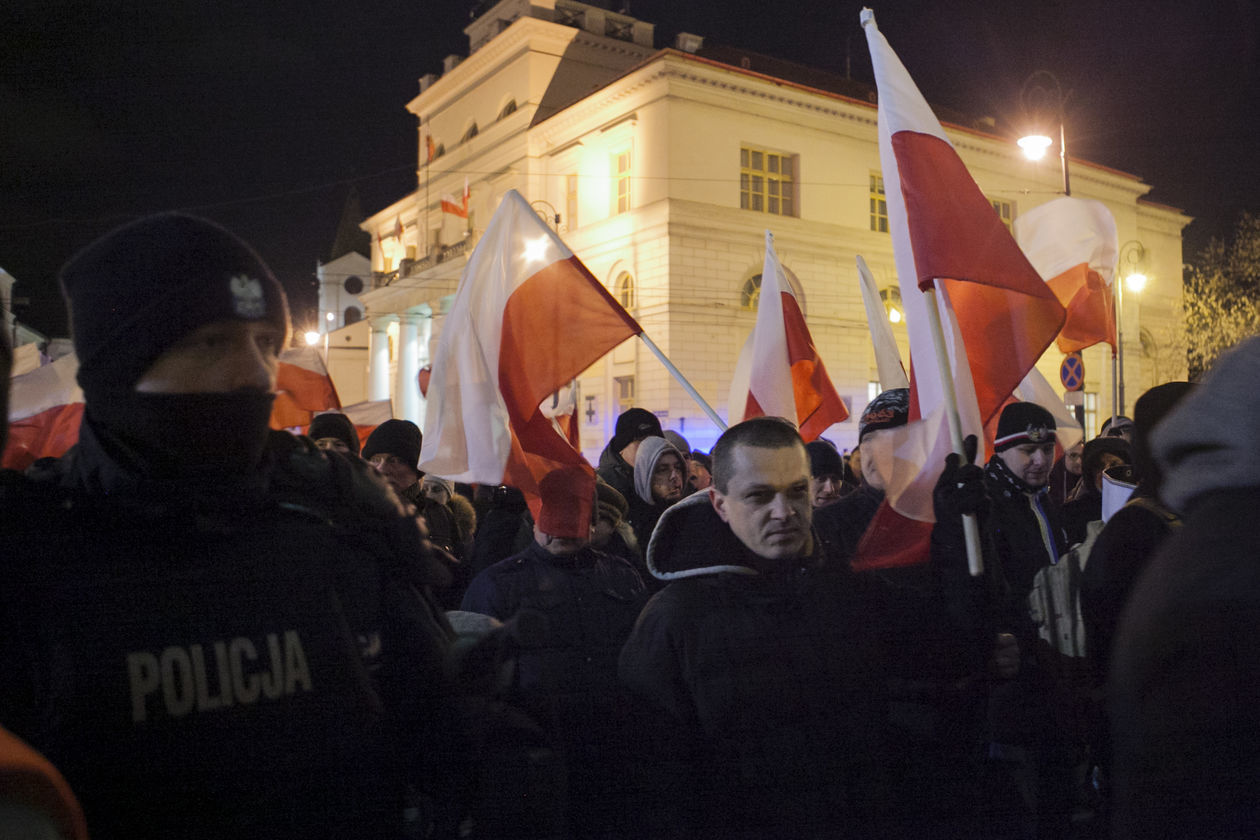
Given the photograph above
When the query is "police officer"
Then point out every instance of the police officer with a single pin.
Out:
(211, 628)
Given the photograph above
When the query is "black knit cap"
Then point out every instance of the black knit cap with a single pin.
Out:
(1023, 422)
(887, 411)
(334, 425)
(141, 288)
(635, 424)
(400, 438)
(823, 459)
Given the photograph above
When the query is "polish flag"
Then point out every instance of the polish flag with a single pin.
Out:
(366, 416)
(449, 205)
(892, 373)
(45, 410)
(786, 376)
(997, 313)
(527, 318)
(303, 389)
(1073, 244)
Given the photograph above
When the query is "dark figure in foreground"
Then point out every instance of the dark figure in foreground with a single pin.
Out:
(213, 629)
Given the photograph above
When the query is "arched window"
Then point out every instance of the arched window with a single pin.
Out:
(750, 294)
(509, 108)
(353, 315)
(624, 290)
(469, 134)
(353, 285)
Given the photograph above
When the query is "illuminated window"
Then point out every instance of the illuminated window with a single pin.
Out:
(750, 293)
(625, 392)
(766, 182)
(1004, 210)
(621, 175)
(879, 204)
(625, 290)
(571, 201)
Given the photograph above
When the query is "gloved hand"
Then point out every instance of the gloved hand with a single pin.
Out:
(960, 489)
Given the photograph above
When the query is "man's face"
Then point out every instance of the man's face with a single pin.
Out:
(334, 444)
(436, 492)
(1105, 462)
(217, 358)
(1030, 462)
(824, 489)
(767, 503)
(877, 458)
(397, 473)
(698, 477)
(1072, 458)
(560, 546)
(667, 479)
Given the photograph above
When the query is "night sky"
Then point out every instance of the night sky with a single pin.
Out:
(264, 115)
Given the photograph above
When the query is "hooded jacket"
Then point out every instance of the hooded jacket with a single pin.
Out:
(644, 510)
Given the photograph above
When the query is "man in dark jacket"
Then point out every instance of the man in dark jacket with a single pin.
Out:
(765, 663)
(566, 677)
(616, 462)
(1184, 687)
(212, 629)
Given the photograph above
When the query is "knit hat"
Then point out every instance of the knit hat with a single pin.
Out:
(612, 505)
(141, 288)
(567, 501)
(680, 442)
(887, 411)
(1148, 411)
(823, 459)
(634, 424)
(401, 438)
(1023, 422)
(334, 424)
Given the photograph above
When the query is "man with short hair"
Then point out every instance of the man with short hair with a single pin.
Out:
(211, 628)
(766, 662)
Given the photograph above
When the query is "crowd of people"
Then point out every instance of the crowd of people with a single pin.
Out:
(211, 629)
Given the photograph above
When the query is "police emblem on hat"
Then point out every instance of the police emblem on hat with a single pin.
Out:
(247, 296)
(1038, 434)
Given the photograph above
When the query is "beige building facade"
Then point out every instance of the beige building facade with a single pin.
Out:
(662, 169)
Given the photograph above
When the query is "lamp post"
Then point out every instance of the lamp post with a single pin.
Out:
(1040, 88)
(1128, 273)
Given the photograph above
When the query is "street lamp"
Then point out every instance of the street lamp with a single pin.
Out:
(1041, 93)
(1128, 274)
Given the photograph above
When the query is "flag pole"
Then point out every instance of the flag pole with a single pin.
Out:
(682, 380)
(971, 528)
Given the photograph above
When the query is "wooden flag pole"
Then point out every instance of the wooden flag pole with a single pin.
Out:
(971, 527)
(682, 380)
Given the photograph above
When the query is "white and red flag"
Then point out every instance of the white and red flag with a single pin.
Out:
(892, 373)
(303, 389)
(45, 411)
(527, 318)
(456, 208)
(786, 376)
(1073, 244)
(997, 313)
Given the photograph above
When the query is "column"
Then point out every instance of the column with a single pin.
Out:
(407, 384)
(378, 359)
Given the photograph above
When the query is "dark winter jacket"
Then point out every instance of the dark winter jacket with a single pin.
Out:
(254, 658)
(615, 472)
(842, 524)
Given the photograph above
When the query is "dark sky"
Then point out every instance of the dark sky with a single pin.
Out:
(263, 115)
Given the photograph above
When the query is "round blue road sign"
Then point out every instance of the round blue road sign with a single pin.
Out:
(1072, 372)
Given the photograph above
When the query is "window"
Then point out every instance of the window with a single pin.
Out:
(621, 170)
(766, 182)
(625, 290)
(750, 294)
(625, 393)
(353, 285)
(571, 201)
(353, 315)
(879, 204)
(469, 134)
(509, 108)
(1004, 211)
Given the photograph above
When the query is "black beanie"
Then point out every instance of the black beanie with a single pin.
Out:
(823, 459)
(635, 424)
(401, 438)
(1023, 422)
(141, 288)
(887, 411)
(334, 425)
